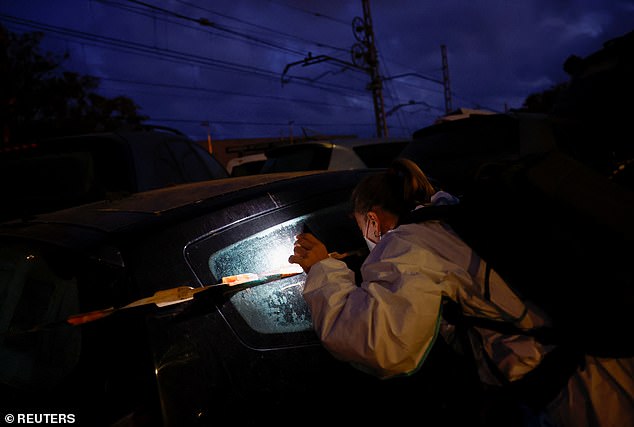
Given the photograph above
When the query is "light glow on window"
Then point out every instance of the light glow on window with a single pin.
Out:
(275, 307)
(262, 253)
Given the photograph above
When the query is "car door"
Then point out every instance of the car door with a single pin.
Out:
(254, 344)
(95, 373)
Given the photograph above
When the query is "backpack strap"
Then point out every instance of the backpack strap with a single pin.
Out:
(542, 384)
(543, 334)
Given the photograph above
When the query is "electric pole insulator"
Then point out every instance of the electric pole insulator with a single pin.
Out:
(358, 28)
(359, 55)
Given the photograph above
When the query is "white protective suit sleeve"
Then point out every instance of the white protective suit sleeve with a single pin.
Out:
(386, 325)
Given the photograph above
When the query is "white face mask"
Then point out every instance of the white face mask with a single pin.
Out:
(370, 243)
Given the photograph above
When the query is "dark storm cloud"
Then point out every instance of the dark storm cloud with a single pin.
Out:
(499, 52)
(229, 72)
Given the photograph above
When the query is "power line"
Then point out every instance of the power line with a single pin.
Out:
(267, 29)
(215, 26)
(171, 55)
(249, 123)
(201, 23)
(206, 22)
(160, 13)
(225, 92)
(314, 14)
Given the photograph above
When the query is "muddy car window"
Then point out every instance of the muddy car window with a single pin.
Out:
(277, 306)
(274, 307)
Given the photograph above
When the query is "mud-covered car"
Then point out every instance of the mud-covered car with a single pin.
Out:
(74, 339)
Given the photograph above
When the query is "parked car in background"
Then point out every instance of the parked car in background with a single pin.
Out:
(375, 152)
(456, 152)
(246, 165)
(52, 174)
(242, 353)
(333, 155)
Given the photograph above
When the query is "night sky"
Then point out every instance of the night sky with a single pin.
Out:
(218, 66)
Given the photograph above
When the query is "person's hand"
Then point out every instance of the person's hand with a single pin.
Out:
(308, 251)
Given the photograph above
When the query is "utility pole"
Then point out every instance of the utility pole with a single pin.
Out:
(445, 79)
(364, 57)
(371, 58)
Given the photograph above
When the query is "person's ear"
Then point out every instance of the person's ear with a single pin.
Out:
(375, 224)
(373, 218)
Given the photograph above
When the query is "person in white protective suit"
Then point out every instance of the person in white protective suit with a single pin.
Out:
(386, 325)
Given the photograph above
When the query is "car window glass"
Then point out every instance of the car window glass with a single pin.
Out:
(274, 307)
(167, 168)
(379, 155)
(278, 307)
(298, 158)
(32, 294)
(174, 161)
(200, 165)
(158, 164)
(344, 158)
(247, 168)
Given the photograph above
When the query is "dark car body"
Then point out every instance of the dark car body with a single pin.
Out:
(457, 152)
(57, 173)
(247, 355)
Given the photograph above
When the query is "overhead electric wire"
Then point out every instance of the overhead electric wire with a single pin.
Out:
(315, 14)
(422, 76)
(134, 46)
(226, 92)
(216, 26)
(244, 122)
(202, 24)
(160, 13)
(166, 54)
(238, 35)
(267, 29)
(388, 90)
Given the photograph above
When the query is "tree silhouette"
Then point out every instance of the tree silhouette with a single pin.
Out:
(543, 102)
(38, 100)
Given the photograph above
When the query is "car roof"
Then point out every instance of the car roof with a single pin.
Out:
(311, 155)
(376, 152)
(245, 165)
(180, 201)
